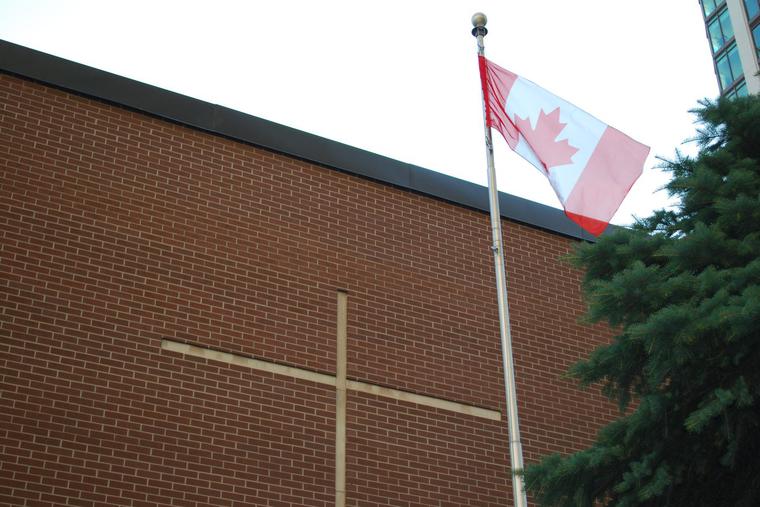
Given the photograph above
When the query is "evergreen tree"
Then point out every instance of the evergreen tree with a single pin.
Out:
(681, 289)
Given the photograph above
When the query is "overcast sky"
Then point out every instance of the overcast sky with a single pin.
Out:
(400, 78)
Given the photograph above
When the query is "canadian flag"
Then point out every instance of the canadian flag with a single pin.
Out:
(591, 166)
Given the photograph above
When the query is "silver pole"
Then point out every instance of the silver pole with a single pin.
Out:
(515, 447)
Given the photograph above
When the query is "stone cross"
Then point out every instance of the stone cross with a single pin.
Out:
(341, 383)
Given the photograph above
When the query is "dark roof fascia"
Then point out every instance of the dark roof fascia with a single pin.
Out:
(88, 81)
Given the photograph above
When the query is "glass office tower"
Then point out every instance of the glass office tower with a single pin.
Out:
(733, 31)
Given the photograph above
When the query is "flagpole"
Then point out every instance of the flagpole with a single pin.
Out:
(515, 446)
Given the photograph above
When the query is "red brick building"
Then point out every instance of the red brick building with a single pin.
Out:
(169, 310)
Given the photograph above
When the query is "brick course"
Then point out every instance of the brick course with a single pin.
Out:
(120, 230)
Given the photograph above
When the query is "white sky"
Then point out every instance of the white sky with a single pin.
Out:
(400, 78)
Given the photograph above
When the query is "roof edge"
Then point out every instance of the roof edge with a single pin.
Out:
(91, 82)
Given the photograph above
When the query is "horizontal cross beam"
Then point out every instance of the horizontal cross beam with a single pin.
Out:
(321, 378)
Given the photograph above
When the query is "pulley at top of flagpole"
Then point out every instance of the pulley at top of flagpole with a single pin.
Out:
(479, 21)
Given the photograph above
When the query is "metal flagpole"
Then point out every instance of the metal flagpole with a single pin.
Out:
(515, 447)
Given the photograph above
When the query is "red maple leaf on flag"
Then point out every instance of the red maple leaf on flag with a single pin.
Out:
(542, 140)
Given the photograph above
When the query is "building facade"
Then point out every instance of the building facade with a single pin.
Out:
(189, 292)
(733, 32)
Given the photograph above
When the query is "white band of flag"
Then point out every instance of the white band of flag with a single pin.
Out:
(591, 166)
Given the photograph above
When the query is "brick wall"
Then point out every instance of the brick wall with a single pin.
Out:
(120, 230)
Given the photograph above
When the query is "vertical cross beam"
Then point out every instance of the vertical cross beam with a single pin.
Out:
(340, 400)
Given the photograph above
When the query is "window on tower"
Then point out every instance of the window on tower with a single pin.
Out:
(739, 90)
(729, 67)
(720, 30)
(709, 6)
(753, 9)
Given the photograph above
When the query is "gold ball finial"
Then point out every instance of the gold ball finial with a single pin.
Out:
(479, 20)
